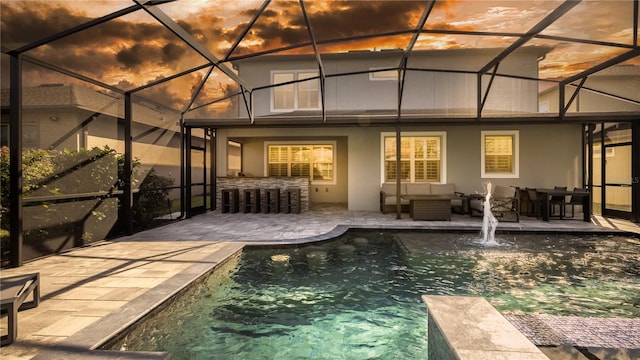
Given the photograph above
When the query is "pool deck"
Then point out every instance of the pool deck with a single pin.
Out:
(90, 293)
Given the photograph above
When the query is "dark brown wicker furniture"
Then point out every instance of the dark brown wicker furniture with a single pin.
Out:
(271, 201)
(251, 200)
(429, 207)
(544, 195)
(230, 200)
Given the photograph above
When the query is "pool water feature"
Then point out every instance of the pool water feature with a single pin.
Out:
(489, 222)
(358, 296)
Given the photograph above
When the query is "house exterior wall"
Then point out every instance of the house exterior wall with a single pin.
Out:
(254, 156)
(596, 96)
(622, 80)
(586, 102)
(423, 90)
(547, 158)
(456, 92)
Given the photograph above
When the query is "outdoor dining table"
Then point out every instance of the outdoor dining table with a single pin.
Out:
(545, 194)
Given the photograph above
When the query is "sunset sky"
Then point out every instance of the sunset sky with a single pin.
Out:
(134, 50)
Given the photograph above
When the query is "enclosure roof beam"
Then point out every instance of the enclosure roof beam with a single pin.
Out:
(77, 29)
(482, 99)
(244, 33)
(402, 66)
(71, 73)
(188, 39)
(416, 32)
(565, 107)
(535, 30)
(318, 60)
(169, 78)
(613, 61)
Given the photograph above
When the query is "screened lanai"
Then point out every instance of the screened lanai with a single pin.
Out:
(112, 110)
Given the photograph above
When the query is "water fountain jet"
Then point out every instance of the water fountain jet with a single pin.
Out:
(489, 222)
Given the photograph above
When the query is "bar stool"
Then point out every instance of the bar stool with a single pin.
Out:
(251, 200)
(271, 201)
(230, 200)
(293, 200)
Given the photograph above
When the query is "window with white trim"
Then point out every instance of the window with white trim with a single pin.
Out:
(234, 158)
(30, 136)
(317, 161)
(597, 151)
(303, 95)
(421, 157)
(381, 74)
(499, 154)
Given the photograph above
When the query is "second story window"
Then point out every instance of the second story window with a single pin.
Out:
(377, 74)
(303, 95)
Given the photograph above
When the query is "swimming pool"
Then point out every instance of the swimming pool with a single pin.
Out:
(358, 297)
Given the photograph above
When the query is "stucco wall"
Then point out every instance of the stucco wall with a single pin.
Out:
(595, 94)
(550, 155)
(254, 157)
(423, 90)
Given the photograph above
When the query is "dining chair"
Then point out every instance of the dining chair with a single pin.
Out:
(533, 205)
(559, 201)
(575, 200)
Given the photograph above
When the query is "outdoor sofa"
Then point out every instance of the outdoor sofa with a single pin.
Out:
(389, 199)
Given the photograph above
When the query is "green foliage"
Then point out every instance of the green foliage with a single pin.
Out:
(135, 163)
(151, 201)
(87, 171)
(37, 164)
(50, 172)
(83, 171)
(47, 172)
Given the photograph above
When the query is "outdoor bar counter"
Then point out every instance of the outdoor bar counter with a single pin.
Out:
(263, 183)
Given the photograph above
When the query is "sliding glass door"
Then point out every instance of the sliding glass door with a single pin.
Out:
(196, 171)
(613, 172)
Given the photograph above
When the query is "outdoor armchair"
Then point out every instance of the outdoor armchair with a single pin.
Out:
(504, 201)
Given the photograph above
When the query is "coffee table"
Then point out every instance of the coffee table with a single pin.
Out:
(429, 207)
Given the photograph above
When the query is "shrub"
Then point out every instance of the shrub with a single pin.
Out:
(151, 201)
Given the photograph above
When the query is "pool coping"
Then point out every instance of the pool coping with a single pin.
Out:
(340, 230)
(85, 343)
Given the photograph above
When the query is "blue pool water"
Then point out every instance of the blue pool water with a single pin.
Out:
(358, 297)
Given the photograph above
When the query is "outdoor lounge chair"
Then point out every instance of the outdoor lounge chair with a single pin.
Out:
(13, 292)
